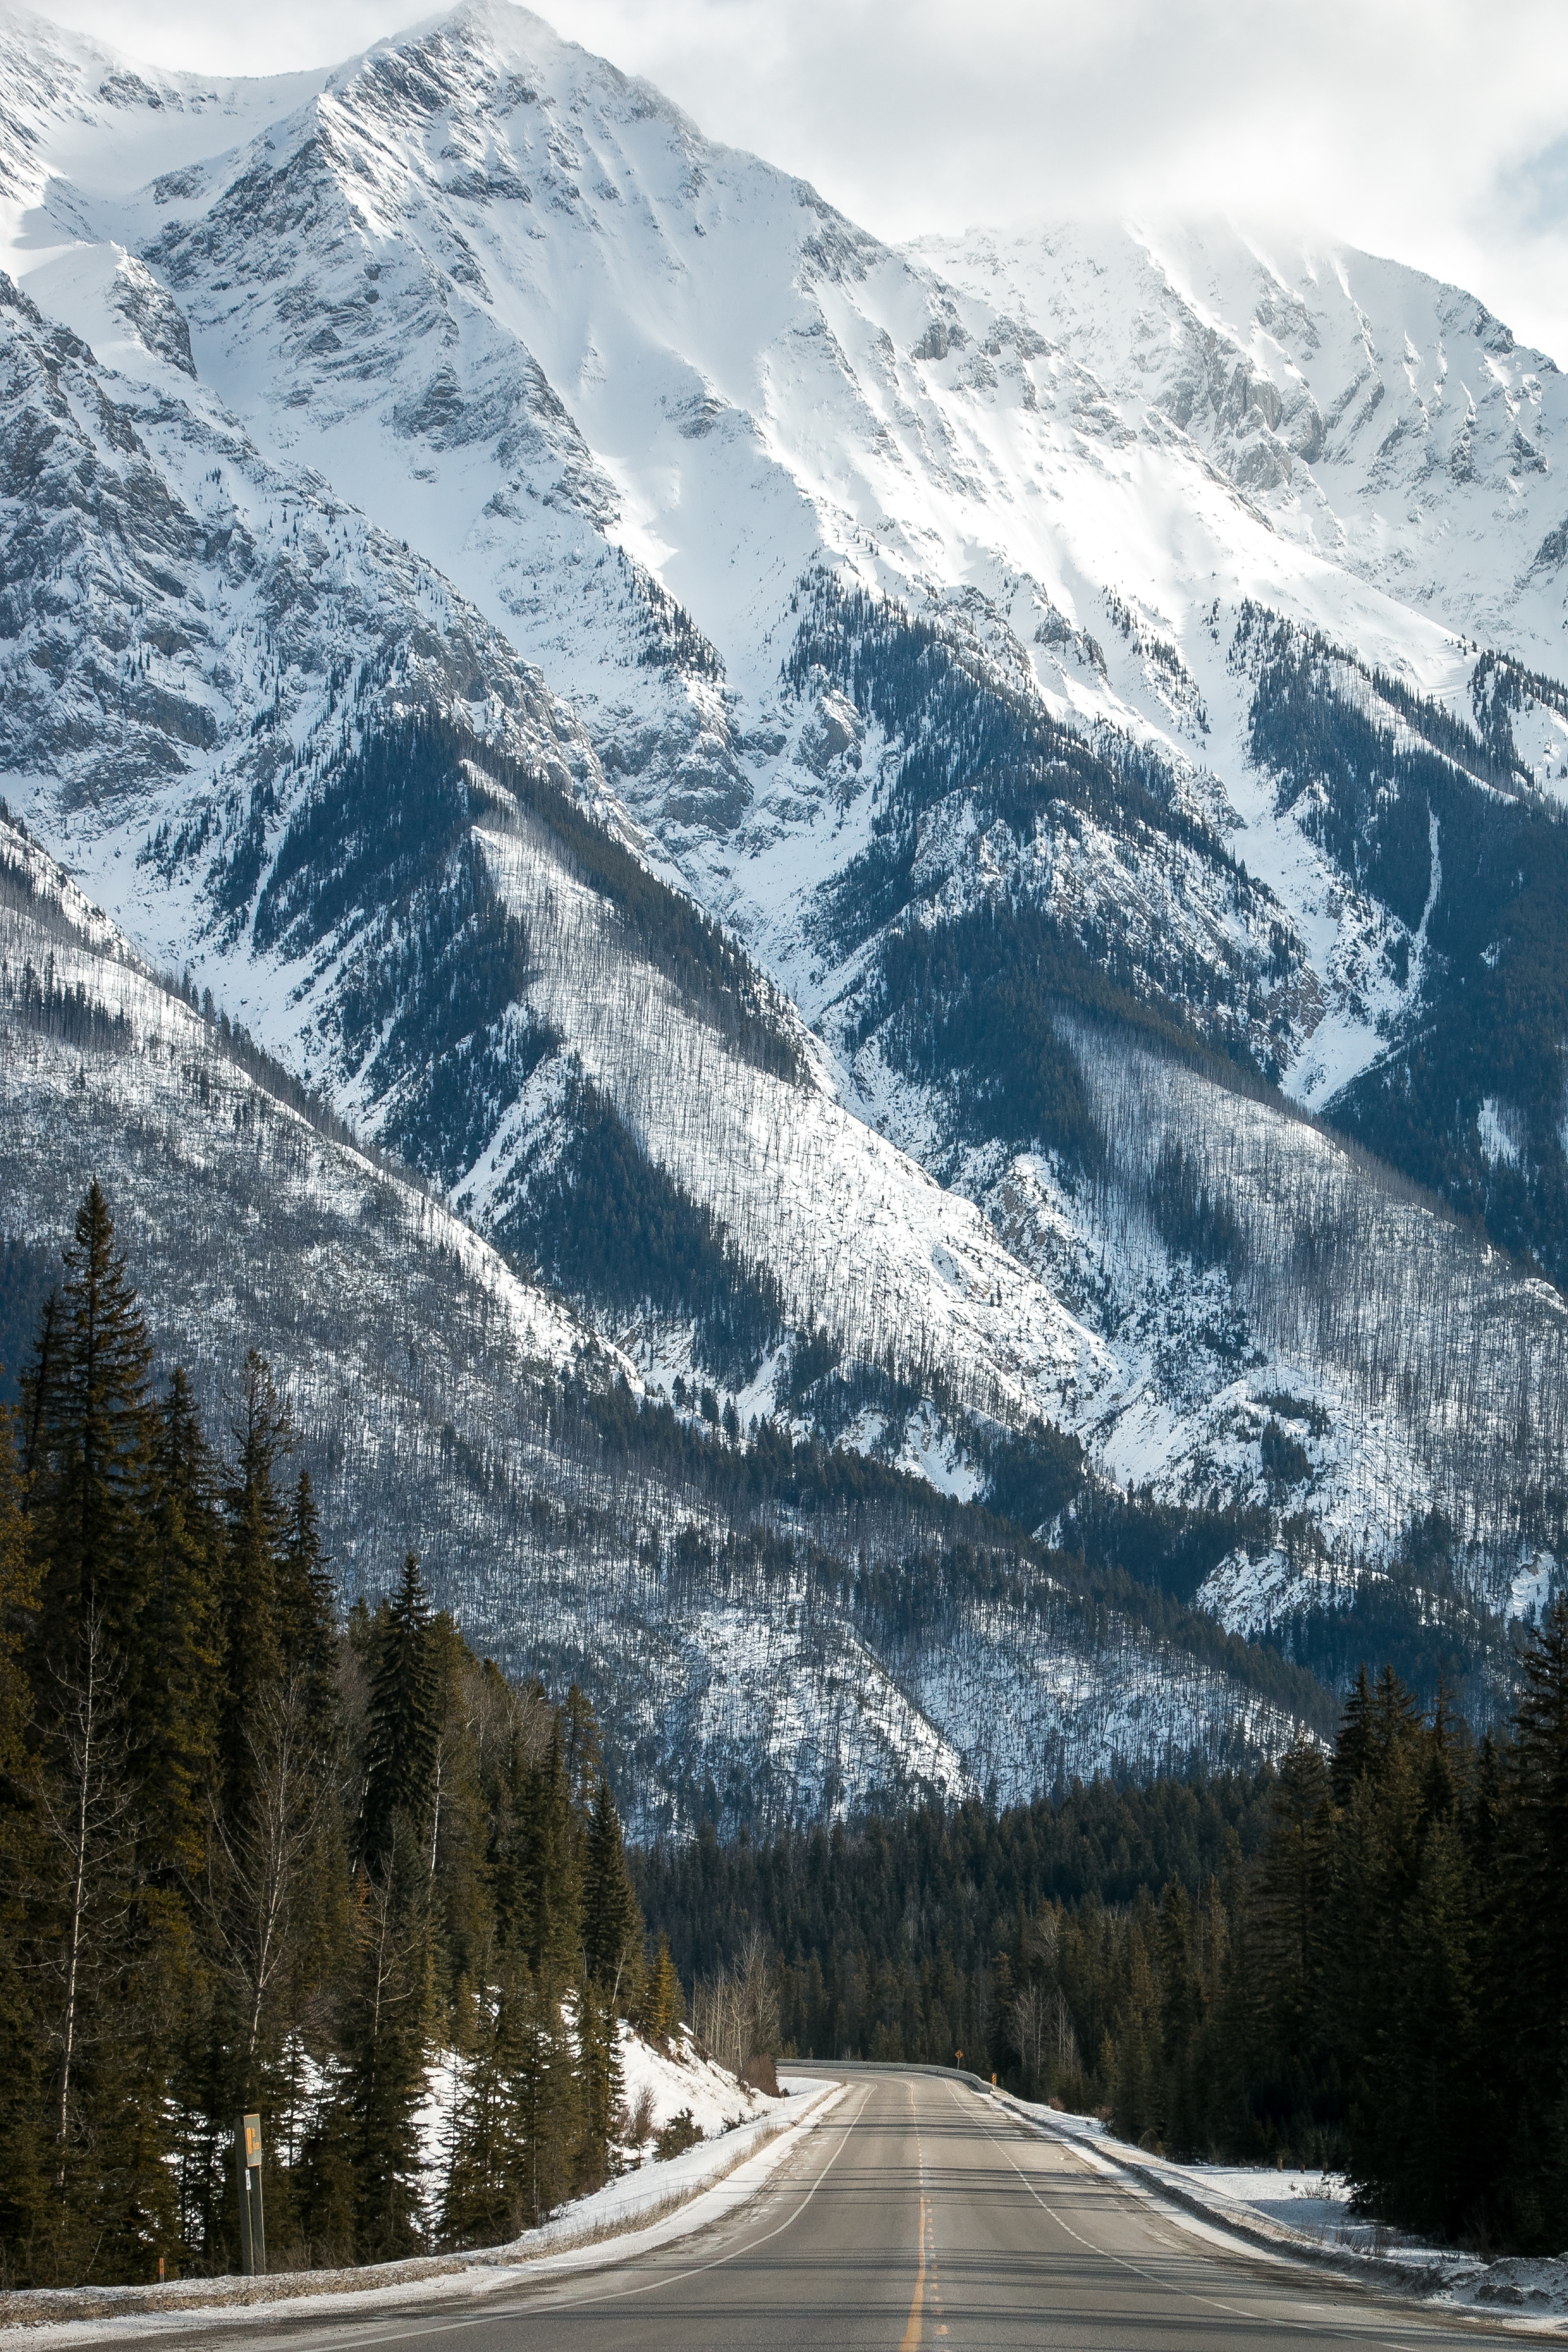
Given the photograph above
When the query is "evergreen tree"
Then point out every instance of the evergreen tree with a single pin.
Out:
(612, 1924)
(545, 2094)
(175, 1725)
(90, 1447)
(307, 1609)
(252, 1634)
(38, 1387)
(544, 1881)
(404, 1731)
(1289, 1911)
(601, 2083)
(478, 2205)
(1355, 1749)
(385, 2048)
(663, 2002)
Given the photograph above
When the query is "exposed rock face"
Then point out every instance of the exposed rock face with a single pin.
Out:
(1018, 600)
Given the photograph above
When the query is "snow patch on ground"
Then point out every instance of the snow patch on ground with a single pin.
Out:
(1311, 2211)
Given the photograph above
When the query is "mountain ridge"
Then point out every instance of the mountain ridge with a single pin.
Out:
(992, 736)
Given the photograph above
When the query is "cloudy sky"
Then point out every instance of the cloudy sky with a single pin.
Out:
(1434, 130)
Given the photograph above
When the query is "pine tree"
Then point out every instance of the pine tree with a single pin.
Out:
(404, 1731)
(89, 1446)
(663, 2003)
(175, 1728)
(612, 1924)
(601, 2083)
(252, 1637)
(306, 1609)
(1355, 1749)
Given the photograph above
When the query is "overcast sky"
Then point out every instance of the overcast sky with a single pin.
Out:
(1432, 130)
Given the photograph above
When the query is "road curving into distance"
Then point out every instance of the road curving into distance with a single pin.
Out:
(919, 2215)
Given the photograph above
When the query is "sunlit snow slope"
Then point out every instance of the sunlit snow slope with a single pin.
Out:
(754, 1644)
(892, 603)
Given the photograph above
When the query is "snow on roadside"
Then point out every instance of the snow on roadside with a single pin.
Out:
(630, 2217)
(1304, 2210)
(678, 2078)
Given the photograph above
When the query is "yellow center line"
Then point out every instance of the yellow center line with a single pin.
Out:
(913, 2332)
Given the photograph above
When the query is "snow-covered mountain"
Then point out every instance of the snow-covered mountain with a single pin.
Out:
(457, 516)
(744, 1627)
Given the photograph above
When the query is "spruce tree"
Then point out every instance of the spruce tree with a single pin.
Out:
(612, 1924)
(545, 2094)
(480, 2200)
(307, 1609)
(1355, 1749)
(360, 2186)
(663, 2002)
(549, 1924)
(600, 2081)
(404, 1731)
(252, 1641)
(175, 1728)
(89, 1446)
(39, 1384)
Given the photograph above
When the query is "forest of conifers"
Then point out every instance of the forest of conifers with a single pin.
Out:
(252, 1858)
(1358, 1959)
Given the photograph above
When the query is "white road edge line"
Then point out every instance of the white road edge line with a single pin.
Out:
(1232, 2311)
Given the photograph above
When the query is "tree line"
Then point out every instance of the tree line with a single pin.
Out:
(1358, 1959)
(254, 1858)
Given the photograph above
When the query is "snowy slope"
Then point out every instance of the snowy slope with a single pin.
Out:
(627, 388)
(1374, 415)
(251, 1223)
(473, 354)
(446, 1405)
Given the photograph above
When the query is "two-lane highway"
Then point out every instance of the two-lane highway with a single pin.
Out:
(918, 2215)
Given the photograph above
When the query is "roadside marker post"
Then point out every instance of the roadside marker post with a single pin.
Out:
(252, 2219)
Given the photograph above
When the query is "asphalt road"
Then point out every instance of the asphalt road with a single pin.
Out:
(917, 2216)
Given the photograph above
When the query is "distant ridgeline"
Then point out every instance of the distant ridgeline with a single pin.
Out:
(1354, 1961)
(249, 1858)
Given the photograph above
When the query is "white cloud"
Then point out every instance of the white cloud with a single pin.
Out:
(1432, 130)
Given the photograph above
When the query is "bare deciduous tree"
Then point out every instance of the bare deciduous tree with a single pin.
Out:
(265, 1856)
(91, 1835)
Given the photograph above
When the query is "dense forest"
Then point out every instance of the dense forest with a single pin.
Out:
(1360, 1959)
(252, 1858)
